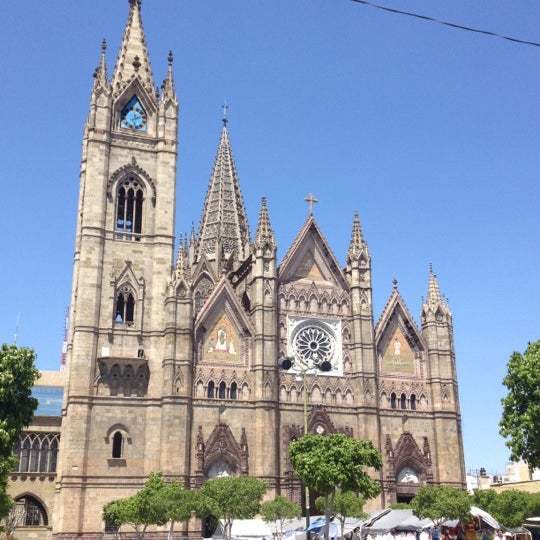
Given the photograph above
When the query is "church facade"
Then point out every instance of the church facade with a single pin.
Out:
(172, 359)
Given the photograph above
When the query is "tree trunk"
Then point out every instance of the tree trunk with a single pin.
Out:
(171, 531)
(342, 523)
(327, 517)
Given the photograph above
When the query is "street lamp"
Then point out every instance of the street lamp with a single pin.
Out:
(303, 367)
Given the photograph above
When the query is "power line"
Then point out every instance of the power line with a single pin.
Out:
(426, 18)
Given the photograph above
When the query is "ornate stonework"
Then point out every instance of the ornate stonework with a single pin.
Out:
(184, 366)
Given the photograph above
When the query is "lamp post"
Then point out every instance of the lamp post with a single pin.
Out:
(303, 367)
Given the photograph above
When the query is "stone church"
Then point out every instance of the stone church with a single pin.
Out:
(173, 355)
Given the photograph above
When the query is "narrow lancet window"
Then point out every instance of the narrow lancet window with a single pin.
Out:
(222, 390)
(129, 210)
(393, 400)
(403, 401)
(210, 392)
(234, 391)
(125, 307)
(117, 444)
(413, 402)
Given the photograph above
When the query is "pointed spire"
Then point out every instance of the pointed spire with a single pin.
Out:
(133, 60)
(167, 87)
(357, 244)
(434, 293)
(182, 260)
(100, 75)
(435, 306)
(265, 235)
(224, 223)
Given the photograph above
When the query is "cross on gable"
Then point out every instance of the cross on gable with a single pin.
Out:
(311, 200)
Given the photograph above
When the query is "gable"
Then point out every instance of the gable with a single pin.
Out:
(398, 340)
(310, 260)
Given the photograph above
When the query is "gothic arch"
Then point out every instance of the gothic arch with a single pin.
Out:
(222, 447)
(35, 512)
(134, 169)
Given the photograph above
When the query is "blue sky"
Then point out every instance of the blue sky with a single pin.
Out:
(430, 133)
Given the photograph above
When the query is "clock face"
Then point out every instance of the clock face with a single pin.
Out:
(133, 115)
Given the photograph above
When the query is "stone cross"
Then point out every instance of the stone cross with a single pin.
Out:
(311, 200)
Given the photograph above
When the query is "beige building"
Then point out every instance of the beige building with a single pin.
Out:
(172, 362)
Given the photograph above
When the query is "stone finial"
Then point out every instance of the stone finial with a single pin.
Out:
(182, 260)
(167, 87)
(395, 284)
(265, 235)
(434, 293)
(100, 74)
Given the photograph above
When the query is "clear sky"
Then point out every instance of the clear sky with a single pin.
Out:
(431, 134)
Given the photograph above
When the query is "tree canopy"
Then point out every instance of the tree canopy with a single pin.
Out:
(441, 503)
(279, 510)
(17, 377)
(326, 463)
(510, 508)
(147, 507)
(232, 497)
(520, 422)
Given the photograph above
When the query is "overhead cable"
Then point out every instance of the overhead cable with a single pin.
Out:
(456, 26)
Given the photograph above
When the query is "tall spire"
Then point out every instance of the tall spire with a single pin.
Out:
(265, 235)
(224, 227)
(357, 244)
(133, 58)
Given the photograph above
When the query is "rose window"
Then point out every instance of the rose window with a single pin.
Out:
(314, 344)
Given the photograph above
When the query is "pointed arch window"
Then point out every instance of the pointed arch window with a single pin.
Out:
(234, 391)
(413, 402)
(222, 390)
(117, 445)
(124, 312)
(129, 209)
(133, 115)
(210, 390)
(393, 400)
(403, 401)
(53, 455)
(34, 456)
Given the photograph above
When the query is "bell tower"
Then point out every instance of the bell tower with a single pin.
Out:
(122, 265)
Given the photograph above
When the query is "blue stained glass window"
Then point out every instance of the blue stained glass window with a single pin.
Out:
(133, 115)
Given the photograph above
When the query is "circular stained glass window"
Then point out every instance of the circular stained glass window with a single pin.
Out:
(314, 344)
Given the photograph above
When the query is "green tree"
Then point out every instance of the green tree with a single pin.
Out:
(180, 503)
(520, 422)
(279, 510)
(328, 463)
(440, 503)
(147, 507)
(346, 504)
(484, 498)
(230, 498)
(511, 508)
(17, 377)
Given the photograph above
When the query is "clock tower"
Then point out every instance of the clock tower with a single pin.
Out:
(122, 265)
